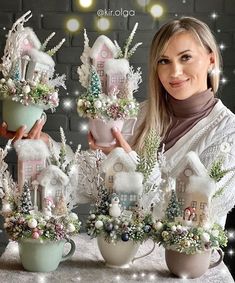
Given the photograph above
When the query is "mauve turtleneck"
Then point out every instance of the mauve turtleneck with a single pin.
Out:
(186, 114)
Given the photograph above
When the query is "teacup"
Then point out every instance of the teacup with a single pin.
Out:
(43, 256)
(190, 266)
(101, 130)
(120, 253)
(16, 115)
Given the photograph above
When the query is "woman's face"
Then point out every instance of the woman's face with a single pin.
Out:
(183, 67)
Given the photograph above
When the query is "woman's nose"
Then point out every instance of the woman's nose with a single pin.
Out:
(176, 70)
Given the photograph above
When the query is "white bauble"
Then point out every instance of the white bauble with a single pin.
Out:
(26, 89)
(73, 216)
(205, 237)
(158, 225)
(98, 104)
(71, 228)
(32, 223)
(99, 224)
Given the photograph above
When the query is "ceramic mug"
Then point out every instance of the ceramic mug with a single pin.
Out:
(190, 266)
(16, 115)
(43, 256)
(101, 130)
(119, 254)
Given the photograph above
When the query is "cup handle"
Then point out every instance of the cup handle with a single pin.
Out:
(146, 254)
(44, 116)
(128, 128)
(221, 254)
(72, 250)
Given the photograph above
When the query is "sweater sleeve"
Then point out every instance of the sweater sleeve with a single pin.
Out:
(223, 147)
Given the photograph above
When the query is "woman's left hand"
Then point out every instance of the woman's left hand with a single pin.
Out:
(120, 142)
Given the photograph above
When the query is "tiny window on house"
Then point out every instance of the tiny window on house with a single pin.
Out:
(100, 64)
(181, 201)
(203, 205)
(123, 197)
(194, 204)
(118, 167)
(28, 169)
(195, 217)
(39, 167)
(110, 179)
(114, 79)
(104, 53)
(181, 186)
(101, 72)
(133, 197)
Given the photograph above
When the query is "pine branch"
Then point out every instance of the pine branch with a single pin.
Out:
(52, 51)
(44, 45)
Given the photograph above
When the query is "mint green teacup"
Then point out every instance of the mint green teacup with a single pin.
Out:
(16, 115)
(43, 256)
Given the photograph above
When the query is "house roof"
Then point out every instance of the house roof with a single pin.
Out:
(201, 185)
(113, 66)
(52, 171)
(128, 182)
(41, 57)
(118, 155)
(190, 160)
(31, 149)
(102, 39)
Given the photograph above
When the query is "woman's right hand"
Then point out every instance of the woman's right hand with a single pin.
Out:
(35, 132)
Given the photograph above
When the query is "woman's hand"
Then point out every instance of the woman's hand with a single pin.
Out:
(35, 132)
(120, 142)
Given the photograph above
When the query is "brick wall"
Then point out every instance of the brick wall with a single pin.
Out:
(50, 15)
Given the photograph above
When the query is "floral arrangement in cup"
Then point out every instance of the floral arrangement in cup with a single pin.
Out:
(48, 218)
(28, 69)
(109, 80)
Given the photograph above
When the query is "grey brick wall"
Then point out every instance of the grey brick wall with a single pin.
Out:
(50, 15)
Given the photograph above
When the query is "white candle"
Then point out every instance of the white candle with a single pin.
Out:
(35, 187)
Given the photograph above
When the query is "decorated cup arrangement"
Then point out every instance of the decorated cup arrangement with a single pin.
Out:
(110, 83)
(27, 87)
(37, 209)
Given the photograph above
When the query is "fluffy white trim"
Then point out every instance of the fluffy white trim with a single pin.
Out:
(116, 155)
(113, 66)
(52, 172)
(201, 185)
(102, 39)
(190, 160)
(32, 37)
(41, 57)
(31, 149)
(128, 182)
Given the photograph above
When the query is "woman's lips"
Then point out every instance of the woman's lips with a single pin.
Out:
(179, 83)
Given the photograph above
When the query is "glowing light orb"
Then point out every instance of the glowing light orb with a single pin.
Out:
(117, 277)
(231, 235)
(67, 104)
(214, 15)
(223, 80)
(84, 127)
(142, 274)
(152, 277)
(85, 3)
(222, 46)
(231, 252)
(156, 11)
(73, 25)
(76, 92)
(103, 24)
(134, 276)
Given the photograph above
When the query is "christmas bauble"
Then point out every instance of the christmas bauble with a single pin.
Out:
(98, 224)
(147, 228)
(32, 223)
(125, 237)
(109, 227)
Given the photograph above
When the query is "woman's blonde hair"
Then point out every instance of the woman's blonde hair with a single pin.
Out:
(157, 117)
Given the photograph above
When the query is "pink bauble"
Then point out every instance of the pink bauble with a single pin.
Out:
(35, 235)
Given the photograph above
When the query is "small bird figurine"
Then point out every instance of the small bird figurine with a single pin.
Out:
(115, 210)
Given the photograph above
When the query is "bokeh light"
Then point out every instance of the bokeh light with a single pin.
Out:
(85, 3)
(72, 25)
(156, 11)
(103, 24)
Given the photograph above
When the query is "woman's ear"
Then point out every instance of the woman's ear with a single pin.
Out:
(212, 59)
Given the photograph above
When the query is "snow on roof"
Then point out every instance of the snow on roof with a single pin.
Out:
(41, 57)
(31, 149)
(50, 172)
(32, 37)
(116, 155)
(190, 160)
(201, 185)
(113, 66)
(128, 182)
(102, 39)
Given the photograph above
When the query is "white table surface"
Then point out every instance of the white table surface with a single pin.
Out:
(87, 265)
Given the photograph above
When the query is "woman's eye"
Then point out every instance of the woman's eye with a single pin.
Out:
(163, 61)
(186, 57)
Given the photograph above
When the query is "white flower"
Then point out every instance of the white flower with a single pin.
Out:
(32, 223)
(26, 89)
(158, 225)
(98, 224)
(71, 228)
(173, 228)
(225, 147)
(92, 216)
(205, 237)
(10, 83)
(73, 216)
(98, 104)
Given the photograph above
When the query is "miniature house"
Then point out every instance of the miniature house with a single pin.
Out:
(102, 50)
(32, 159)
(193, 185)
(53, 182)
(116, 71)
(117, 161)
(129, 187)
